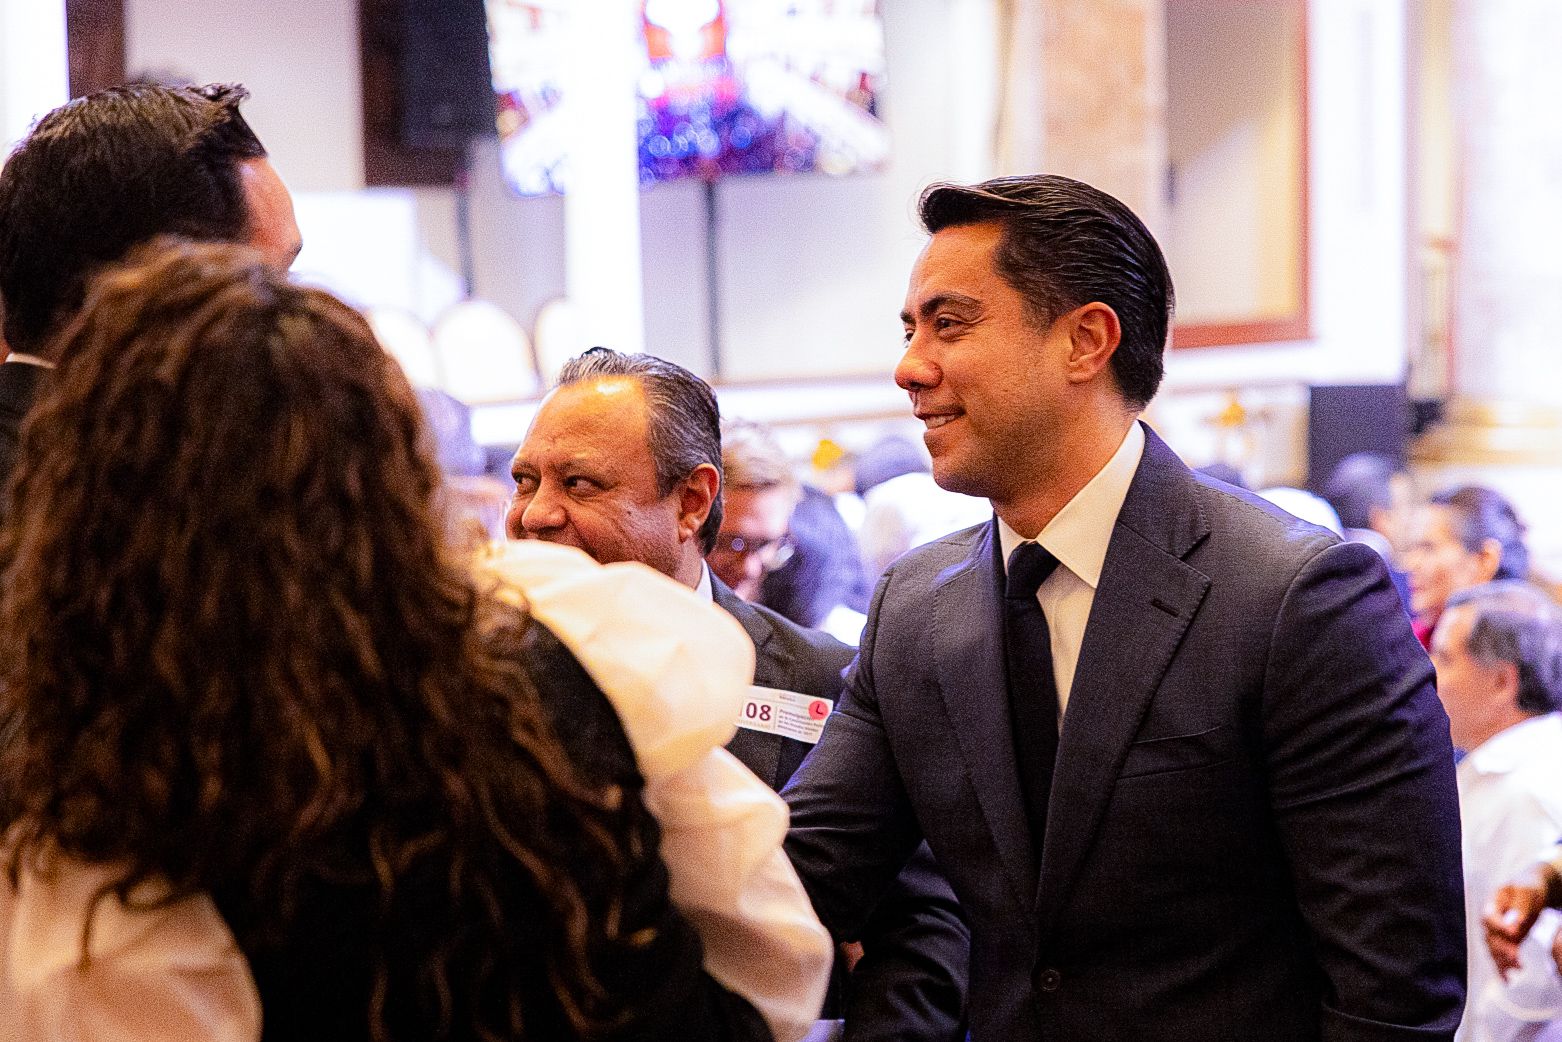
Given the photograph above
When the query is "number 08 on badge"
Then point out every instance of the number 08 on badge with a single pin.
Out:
(785, 713)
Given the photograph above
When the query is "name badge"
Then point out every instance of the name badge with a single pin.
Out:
(785, 713)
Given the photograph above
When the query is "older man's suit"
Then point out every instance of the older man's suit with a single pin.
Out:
(1253, 831)
(911, 983)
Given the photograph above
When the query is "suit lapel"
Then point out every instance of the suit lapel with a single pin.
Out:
(968, 635)
(760, 752)
(1146, 598)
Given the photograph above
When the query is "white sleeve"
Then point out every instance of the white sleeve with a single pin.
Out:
(166, 974)
(677, 669)
(1527, 1005)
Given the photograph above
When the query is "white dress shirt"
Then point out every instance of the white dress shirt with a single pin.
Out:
(1510, 806)
(1078, 538)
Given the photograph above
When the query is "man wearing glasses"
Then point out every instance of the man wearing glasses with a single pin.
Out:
(759, 493)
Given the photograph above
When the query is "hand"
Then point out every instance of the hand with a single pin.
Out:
(1556, 950)
(1511, 914)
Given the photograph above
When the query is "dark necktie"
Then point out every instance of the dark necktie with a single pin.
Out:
(1033, 691)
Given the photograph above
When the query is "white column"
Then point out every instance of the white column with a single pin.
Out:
(602, 197)
(1504, 419)
(1508, 303)
(33, 72)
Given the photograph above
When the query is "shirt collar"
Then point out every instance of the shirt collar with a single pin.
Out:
(1505, 750)
(1078, 536)
(703, 587)
(21, 358)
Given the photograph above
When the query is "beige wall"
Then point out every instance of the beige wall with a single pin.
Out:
(1234, 102)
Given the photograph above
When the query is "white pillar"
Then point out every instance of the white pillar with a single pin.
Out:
(34, 75)
(602, 197)
(1504, 422)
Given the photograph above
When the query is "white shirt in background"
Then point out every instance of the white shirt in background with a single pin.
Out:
(1510, 805)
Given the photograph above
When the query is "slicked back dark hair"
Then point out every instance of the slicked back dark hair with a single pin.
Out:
(105, 173)
(685, 424)
(1066, 244)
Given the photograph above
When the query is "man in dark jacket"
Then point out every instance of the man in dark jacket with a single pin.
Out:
(623, 461)
(102, 175)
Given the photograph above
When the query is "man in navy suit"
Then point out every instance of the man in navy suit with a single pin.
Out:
(1177, 752)
(623, 461)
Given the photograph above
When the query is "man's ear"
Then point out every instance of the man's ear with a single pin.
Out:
(696, 495)
(1505, 680)
(1094, 333)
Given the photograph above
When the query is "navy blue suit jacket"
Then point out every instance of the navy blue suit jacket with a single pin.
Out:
(1253, 831)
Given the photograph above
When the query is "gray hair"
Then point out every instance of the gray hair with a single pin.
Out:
(1516, 622)
(685, 424)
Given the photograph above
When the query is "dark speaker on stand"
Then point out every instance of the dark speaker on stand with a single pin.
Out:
(446, 92)
(1346, 419)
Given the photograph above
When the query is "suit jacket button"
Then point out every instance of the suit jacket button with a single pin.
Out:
(1049, 980)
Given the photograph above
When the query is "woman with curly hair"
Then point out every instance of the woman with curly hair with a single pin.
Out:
(246, 688)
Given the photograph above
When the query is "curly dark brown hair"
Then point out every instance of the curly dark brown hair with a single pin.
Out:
(236, 645)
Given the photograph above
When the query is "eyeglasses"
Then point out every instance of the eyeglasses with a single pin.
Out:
(771, 553)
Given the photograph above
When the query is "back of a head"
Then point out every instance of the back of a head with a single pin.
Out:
(1066, 244)
(1480, 514)
(227, 472)
(825, 569)
(684, 421)
(1516, 622)
(105, 173)
(752, 459)
(1359, 484)
(233, 617)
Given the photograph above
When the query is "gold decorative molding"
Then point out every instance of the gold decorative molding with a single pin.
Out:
(1492, 433)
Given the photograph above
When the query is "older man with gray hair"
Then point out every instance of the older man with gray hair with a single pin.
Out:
(1498, 653)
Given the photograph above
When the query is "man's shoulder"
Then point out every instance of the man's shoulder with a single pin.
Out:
(788, 655)
(930, 560)
(1253, 536)
(815, 647)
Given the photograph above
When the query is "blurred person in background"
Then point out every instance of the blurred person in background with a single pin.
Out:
(758, 492)
(1374, 499)
(783, 544)
(624, 460)
(274, 764)
(821, 585)
(907, 511)
(103, 174)
(1462, 537)
(474, 501)
(1498, 654)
